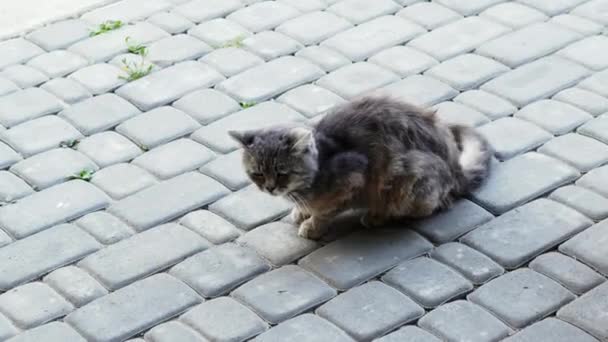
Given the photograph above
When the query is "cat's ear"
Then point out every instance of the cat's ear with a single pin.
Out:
(244, 138)
(302, 139)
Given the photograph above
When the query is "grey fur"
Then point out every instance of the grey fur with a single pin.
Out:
(385, 156)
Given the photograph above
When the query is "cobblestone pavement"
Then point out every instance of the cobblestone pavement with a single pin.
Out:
(126, 214)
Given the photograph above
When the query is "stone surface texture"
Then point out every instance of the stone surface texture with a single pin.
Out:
(126, 214)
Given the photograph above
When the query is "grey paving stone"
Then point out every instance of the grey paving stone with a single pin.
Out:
(314, 27)
(104, 227)
(512, 136)
(33, 304)
(586, 201)
(290, 72)
(220, 33)
(491, 105)
(454, 113)
(469, 7)
(126, 11)
(403, 60)
(27, 104)
(202, 10)
(158, 126)
(367, 39)
(4, 240)
(39, 135)
(51, 206)
(75, 285)
(311, 100)
(151, 300)
(173, 331)
(596, 180)
(67, 90)
(60, 34)
(265, 15)
(100, 78)
(519, 235)
(340, 262)
(596, 129)
(167, 200)
(552, 7)
(536, 80)
(475, 266)
(12, 187)
(207, 105)
(7, 329)
(430, 15)
(588, 101)
(250, 207)
(592, 10)
(457, 37)
(54, 331)
(17, 50)
(147, 253)
(572, 274)
(231, 60)
(356, 79)
(107, 148)
(370, 310)
(578, 24)
(590, 52)
(553, 116)
(521, 297)
(464, 321)
(261, 115)
(514, 15)
(271, 44)
(360, 11)
(466, 71)
(7, 86)
(103, 47)
(29, 258)
(283, 293)
(427, 281)
(175, 49)
(220, 269)
(586, 247)
(577, 150)
(551, 329)
(24, 76)
(448, 225)
(326, 58)
(224, 319)
(420, 90)
(278, 243)
(122, 180)
(174, 158)
(99, 113)
(409, 333)
(548, 37)
(169, 84)
(306, 5)
(210, 226)
(8, 156)
(57, 63)
(228, 170)
(52, 167)
(596, 83)
(587, 312)
(170, 22)
(306, 328)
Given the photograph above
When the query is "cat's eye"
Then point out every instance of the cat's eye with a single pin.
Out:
(257, 175)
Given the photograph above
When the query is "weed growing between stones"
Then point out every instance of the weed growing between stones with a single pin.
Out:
(246, 105)
(85, 175)
(135, 70)
(236, 43)
(105, 27)
(69, 143)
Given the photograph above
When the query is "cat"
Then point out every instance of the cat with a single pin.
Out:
(391, 159)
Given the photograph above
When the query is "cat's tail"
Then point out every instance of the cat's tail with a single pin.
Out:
(475, 155)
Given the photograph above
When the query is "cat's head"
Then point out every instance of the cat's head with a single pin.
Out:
(279, 160)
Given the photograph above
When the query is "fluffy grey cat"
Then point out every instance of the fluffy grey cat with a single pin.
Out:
(390, 158)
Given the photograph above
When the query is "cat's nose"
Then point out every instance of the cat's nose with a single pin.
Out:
(270, 188)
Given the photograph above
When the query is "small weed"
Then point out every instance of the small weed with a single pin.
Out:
(105, 27)
(136, 48)
(85, 175)
(135, 70)
(69, 143)
(246, 105)
(236, 42)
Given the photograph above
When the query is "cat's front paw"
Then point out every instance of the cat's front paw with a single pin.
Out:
(297, 216)
(309, 230)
